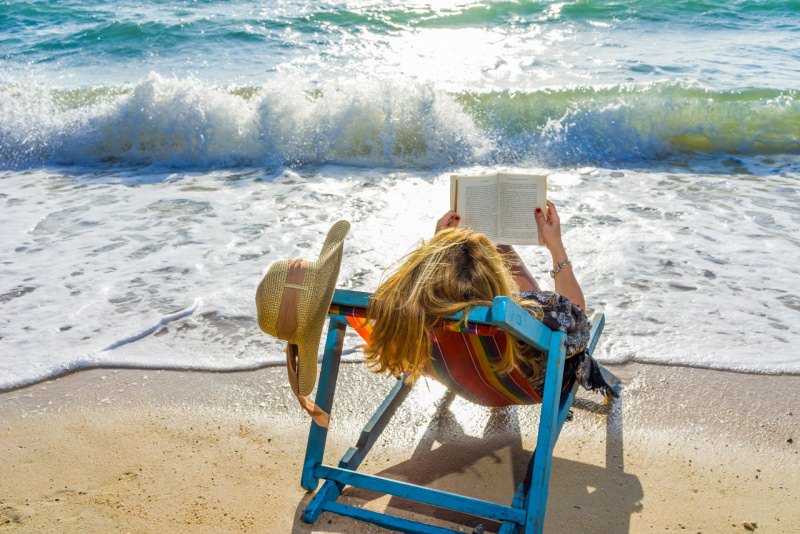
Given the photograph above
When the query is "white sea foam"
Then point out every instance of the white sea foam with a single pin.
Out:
(694, 266)
(186, 123)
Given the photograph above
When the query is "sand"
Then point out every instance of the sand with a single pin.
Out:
(684, 450)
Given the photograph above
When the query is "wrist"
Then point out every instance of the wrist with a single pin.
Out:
(557, 251)
(559, 266)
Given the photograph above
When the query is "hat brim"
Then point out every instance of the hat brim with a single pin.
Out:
(326, 274)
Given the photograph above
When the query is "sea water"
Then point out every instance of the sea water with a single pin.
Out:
(156, 158)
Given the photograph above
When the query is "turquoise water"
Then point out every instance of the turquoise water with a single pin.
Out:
(155, 158)
(723, 44)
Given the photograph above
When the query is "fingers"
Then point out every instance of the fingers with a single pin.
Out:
(451, 219)
(550, 213)
(447, 215)
(543, 215)
(551, 208)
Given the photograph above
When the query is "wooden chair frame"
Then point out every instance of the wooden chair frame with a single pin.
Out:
(527, 510)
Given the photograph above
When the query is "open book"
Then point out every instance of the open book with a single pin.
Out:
(500, 205)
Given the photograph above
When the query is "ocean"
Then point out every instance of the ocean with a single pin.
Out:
(156, 158)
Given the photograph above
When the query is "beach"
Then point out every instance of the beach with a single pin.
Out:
(152, 451)
(156, 158)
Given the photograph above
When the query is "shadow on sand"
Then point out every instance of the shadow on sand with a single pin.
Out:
(447, 458)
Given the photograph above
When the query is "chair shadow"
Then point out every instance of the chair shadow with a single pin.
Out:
(465, 464)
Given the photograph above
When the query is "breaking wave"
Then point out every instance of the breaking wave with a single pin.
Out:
(187, 123)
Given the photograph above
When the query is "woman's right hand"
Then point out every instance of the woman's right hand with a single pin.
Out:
(448, 220)
(549, 225)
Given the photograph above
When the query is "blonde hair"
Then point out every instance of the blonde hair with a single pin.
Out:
(453, 272)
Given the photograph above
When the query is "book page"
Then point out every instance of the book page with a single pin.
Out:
(518, 196)
(476, 202)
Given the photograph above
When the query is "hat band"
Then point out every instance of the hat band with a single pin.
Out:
(320, 416)
(290, 299)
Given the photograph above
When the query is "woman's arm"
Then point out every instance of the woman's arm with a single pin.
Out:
(550, 228)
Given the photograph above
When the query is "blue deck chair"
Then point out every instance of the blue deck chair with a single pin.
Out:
(527, 510)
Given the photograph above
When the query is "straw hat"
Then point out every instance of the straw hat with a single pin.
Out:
(292, 301)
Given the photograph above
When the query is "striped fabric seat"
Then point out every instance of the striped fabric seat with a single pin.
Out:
(462, 360)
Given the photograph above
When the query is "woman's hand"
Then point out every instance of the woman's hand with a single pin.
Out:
(448, 220)
(549, 225)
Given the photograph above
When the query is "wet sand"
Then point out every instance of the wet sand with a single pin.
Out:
(684, 450)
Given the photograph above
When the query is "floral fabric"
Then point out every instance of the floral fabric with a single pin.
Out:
(559, 313)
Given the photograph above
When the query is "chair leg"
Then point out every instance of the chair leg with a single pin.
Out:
(317, 436)
(331, 490)
(510, 527)
(536, 500)
(377, 423)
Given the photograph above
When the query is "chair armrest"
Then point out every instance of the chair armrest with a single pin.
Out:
(513, 318)
(598, 321)
(355, 299)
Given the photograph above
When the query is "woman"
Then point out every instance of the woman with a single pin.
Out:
(459, 269)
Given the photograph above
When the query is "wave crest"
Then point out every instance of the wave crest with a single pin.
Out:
(186, 123)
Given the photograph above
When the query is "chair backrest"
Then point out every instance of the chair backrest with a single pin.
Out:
(464, 362)
(462, 358)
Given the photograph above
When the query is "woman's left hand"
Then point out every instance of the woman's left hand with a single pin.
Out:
(448, 220)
